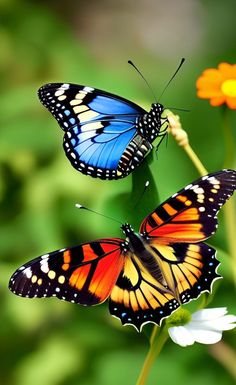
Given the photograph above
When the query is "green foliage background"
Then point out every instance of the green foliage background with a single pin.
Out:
(50, 342)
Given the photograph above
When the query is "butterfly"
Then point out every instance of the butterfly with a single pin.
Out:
(149, 274)
(106, 136)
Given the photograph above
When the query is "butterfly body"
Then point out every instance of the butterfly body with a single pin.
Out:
(148, 260)
(147, 275)
(106, 136)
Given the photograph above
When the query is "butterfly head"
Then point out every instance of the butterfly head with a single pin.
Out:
(155, 114)
(127, 229)
(156, 109)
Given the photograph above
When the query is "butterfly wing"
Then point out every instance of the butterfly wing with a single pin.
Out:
(73, 104)
(98, 126)
(191, 214)
(97, 148)
(174, 232)
(139, 298)
(83, 274)
(187, 269)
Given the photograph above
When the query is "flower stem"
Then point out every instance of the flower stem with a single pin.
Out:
(229, 140)
(229, 209)
(225, 355)
(157, 341)
(181, 137)
(194, 158)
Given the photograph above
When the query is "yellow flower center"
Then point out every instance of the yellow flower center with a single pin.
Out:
(229, 87)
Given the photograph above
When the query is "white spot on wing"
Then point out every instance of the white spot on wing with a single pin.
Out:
(202, 209)
(28, 272)
(188, 186)
(88, 89)
(44, 256)
(44, 266)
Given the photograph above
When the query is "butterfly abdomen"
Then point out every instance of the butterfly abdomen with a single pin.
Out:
(133, 155)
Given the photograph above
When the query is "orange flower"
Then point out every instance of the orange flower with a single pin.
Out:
(218, 85)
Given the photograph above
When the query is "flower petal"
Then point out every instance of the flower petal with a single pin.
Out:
(231, 102)
(228, 71)
(213, 74)
(217, 101)
(181, 336)
(204, 82)
(222, 323)
(209, 314)
(205, 336)
(208, 93)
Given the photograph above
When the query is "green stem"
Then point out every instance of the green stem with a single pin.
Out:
(194, 158)
(157, 341)
(229, 209)
(229, 140)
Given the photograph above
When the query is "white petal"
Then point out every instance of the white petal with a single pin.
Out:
(209, 314)
(206, 336)
(181, 336)
(223, 323)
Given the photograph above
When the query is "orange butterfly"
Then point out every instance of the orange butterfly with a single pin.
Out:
(147, 275)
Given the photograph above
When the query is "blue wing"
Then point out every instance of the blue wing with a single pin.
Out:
(98, 146)
(98, 126)
(72, 104)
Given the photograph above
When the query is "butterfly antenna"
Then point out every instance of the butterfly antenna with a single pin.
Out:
(140, 73)
(143, 192)
(79, 206)
(177, 109)
(173, 76)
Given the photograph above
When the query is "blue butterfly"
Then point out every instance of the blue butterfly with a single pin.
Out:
(106, 136)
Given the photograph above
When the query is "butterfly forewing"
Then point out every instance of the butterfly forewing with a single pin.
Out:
(191, 214)
(73, 104)
(82, 274)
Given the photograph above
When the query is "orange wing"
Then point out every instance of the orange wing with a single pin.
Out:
(187, 270)
(82, 274)
(191, 214)
(138, 298)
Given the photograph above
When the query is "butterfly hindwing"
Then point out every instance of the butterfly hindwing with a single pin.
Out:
(82, 274)
(96, 148)
(191, 214)
(138, 297)
(188, 269)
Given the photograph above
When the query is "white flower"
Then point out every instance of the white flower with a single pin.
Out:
(205, 327)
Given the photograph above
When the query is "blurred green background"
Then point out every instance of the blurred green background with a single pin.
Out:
(48, 341)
